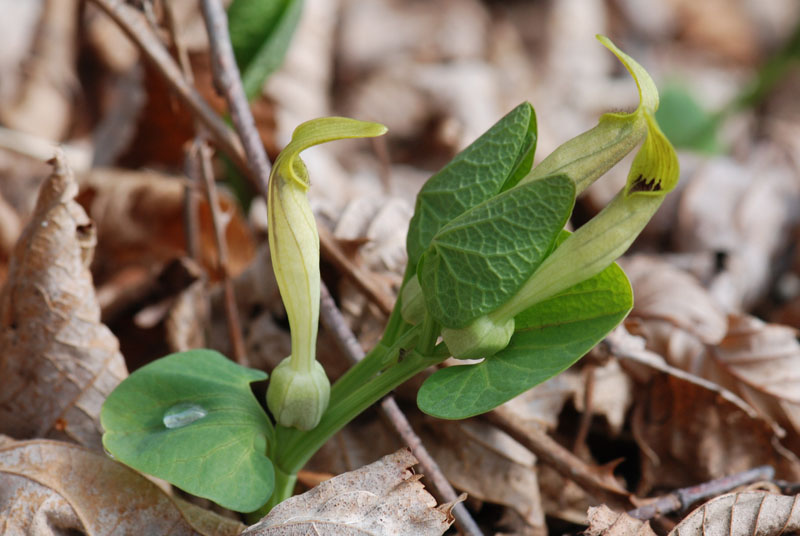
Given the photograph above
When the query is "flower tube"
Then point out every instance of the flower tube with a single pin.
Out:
(299, 389)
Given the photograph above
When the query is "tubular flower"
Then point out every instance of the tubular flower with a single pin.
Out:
(603, 239)
(299, 389)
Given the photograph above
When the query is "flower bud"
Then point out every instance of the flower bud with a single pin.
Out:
(484, 337)
(588, 156)
(298, 397)
(604, 238)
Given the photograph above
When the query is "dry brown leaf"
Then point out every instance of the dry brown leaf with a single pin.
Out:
(710, 25)
(489, 465)
(542, 404)
(58, 362)
(761, 363)
(680, 320)
(603, 521)
(48, 488)
(43, 104)
(691, 434)
(690, 429)
(187, 319)
(744, 211)
(751, 513)
(664, 292)
(611, 394)
(385, 497)
(139, 217)
(10, 227)
(765, 357)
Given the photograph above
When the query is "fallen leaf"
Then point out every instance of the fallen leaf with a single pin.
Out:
(139, 217)
(761, 363)
(58, 361)
(384, 497)
(48, 488)
(611, 394)
(680, 320)
(709, 25)
(749, 227)
(765, 357)
(603, 521)
(667, 293)
(690, 429)
(689, 433)
(43, 103)
(488, 464)
(755, 513)
(187, 319)
(542, 404)
(10, 227)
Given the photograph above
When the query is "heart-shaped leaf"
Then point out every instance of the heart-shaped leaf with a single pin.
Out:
(479, 260)
(496, 160)
(191, 419)
(550, 337)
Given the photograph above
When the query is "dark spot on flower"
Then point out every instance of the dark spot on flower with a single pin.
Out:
(642, 184)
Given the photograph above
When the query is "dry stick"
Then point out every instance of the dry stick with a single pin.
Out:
(229, 83)
(191, 168)
(588, 413)
(200, 156)
(231, 311)
(133, 24)
(682, 499)
(551, 453)
(333, 320)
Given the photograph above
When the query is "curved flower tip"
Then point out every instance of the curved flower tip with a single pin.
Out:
(648, 93)
(315, 132)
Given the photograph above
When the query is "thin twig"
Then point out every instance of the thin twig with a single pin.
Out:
(190, 223)
(229, 83)
(192, 169)
(136, 27)
(588, 413)
(333, 320)
(681, 499)
(551, 453)
(203, 153)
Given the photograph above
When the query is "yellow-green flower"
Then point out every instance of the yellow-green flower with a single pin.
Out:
(299, 390)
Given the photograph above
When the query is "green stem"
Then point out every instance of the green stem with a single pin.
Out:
(375, 361)
(297, 447)
(430, 332)
(284, 488)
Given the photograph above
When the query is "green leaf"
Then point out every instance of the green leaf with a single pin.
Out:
(496, 160)
(221, 456)
(550, 337)
(260, 34)
(479, 260)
